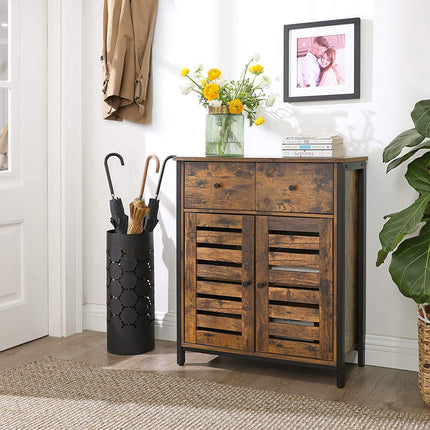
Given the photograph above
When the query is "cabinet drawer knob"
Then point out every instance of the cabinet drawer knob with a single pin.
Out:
(217, 185)
(246, 283)
(292, 187)
(260, 285)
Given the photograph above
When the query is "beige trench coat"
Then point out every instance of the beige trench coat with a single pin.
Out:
(128, 28)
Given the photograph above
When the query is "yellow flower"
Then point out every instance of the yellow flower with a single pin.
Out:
(184, 72)
(214, 74)
(211, 91)
(259, 121)
(235, 106)
(256, 69)
(203, 82)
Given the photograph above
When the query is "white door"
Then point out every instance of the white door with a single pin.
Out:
(23, 175)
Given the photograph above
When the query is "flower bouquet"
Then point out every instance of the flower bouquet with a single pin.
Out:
(227, 100)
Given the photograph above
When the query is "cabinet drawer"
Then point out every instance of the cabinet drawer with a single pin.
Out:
(295, 187)
(215, 185)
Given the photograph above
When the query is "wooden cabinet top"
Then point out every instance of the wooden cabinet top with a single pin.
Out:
(275, 159)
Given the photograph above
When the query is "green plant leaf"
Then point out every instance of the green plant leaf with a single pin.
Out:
(421, 117)
(410, 266)
(400, 224)
(426, 215)
(402, 159)
(418, 174)
(382, 255)
(407, 138)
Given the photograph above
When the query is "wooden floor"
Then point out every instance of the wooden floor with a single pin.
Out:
(369, 386)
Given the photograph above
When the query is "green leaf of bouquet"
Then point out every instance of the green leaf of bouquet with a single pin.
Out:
(407, 138)
(418, 175)
(400, 224)
(410, 266)
(421, 117)
(400, 160)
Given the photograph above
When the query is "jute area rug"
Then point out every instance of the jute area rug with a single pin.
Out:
(62, 394)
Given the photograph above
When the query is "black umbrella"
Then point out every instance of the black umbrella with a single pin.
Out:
(151, 219)
(119, 219)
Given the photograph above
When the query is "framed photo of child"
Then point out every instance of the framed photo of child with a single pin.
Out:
(322, 60)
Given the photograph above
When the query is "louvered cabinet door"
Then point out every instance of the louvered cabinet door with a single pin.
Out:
(219, 281)
(294, 292)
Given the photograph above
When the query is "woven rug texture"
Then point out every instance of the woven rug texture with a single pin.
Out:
(62, 394)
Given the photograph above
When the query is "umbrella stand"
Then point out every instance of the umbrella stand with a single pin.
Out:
(130, 281)
(118, 217)
(151, 219)
(130, 293)
(138, 208)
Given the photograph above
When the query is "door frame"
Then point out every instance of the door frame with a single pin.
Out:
(65, 167)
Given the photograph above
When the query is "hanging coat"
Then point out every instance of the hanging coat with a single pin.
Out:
(128, 27)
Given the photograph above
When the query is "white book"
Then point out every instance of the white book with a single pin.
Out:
(314, 136)
(313, 139)
(312, 153)
(289, 146)
(302, 141)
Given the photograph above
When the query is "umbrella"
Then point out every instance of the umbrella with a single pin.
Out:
(119, 219)
(151, 219)
(138, 208)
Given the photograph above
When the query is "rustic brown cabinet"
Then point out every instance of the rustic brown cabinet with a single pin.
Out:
(271, 259)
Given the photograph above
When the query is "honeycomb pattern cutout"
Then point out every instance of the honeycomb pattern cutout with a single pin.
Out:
(130, 280)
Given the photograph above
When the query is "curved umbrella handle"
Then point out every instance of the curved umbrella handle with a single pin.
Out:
(161, 174)
(145, 172)
(112, 154)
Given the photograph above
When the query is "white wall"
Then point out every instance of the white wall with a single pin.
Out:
(224, 34)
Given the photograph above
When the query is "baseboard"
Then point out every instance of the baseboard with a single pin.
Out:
(395, 352)
(165, 326)
(383, 351)
(94, 318)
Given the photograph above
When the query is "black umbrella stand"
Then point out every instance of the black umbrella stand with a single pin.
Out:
(130, 293)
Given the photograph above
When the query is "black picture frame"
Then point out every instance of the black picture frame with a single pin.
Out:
(344, 33)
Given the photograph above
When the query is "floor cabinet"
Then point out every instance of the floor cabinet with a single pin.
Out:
(271, 259)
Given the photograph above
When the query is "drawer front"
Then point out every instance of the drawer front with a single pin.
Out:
(217, 185)
(295, 187)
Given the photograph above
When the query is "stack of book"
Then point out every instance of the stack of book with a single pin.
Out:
(312, 146)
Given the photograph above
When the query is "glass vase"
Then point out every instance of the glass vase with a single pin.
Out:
(224, 133)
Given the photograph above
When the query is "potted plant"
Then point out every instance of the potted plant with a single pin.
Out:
(410, 261)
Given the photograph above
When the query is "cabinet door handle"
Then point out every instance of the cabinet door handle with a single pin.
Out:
(246, 283)
(292, 187)
(216, 185)
(260, 285)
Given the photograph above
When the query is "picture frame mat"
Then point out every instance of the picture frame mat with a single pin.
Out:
(299, 33)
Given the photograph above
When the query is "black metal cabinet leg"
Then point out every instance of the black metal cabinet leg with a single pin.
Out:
(179, 350)
(361, 334)
(340, 377)
(361, 356)
(180, 356)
